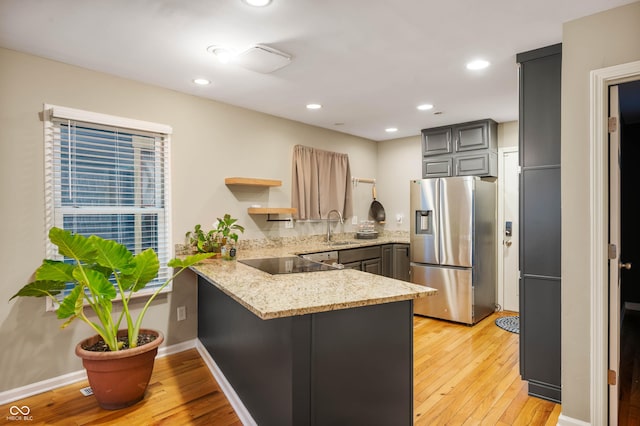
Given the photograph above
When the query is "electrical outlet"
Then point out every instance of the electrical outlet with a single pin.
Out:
(399, 218)
(182, 313)
(289, 224)
(354, 220)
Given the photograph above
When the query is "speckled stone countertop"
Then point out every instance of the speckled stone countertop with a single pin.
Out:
(282, 295)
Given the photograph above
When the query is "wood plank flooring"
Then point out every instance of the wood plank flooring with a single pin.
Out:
(629, 386)
(463, 376)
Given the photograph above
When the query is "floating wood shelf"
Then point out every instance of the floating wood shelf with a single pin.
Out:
(252, 181)
(272, 210)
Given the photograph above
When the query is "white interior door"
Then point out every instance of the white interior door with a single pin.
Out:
(509, 230)
(614, 257)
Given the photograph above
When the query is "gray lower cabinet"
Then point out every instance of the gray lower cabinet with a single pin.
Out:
(540, 221)
(367, 259)
(389, 260)
(465, 149)
(401, 264)
(343, 367)
(395, 261)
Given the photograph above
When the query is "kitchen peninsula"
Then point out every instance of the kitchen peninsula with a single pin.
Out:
(326, 347)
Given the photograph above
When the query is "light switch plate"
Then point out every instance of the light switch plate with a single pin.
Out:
(354, 220)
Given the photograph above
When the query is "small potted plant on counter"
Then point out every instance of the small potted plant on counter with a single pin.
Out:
(119, 361)
(217, 240)
(226, 229)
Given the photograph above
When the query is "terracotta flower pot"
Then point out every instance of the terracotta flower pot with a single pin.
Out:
(119, 379)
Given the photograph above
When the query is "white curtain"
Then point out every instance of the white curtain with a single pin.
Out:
(321, 182)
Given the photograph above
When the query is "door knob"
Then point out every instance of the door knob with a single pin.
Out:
(508, 243)
(626, 266)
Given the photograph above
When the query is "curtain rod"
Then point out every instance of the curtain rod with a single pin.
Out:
(363, 180)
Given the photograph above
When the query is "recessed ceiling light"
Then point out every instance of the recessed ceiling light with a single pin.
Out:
(223, 54)
(201, 81)
(478, 64)
(314, 106)
(391, 129)
(424, 107)
(257, 3)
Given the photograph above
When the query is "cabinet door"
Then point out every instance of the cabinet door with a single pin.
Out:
(353, 265)
(373, 266)
(440, 167)
(484, 164)
(471, 136)
(436, 141)
(387, 260)
(401, 262)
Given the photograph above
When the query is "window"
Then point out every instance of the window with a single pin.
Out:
(108, 176)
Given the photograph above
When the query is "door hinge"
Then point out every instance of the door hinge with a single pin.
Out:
(611, 377)
(613, 124)
(613, 252)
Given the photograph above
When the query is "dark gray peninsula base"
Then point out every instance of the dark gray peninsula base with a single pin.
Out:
(341, 367)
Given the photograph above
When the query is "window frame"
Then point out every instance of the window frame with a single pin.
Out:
(54, 211)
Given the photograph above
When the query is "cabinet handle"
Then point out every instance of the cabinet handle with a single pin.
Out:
(626, 266)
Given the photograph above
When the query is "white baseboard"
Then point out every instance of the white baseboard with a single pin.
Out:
(241, 411)
(570, 421)
(66, 379)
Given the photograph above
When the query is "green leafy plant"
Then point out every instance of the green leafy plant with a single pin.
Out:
(204, 242)
(96, 261)
(212, 241)
(227, 226)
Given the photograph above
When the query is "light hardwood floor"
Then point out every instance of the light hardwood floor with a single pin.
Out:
(463, 376)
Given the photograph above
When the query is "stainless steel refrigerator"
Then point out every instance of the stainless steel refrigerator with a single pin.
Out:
(453, 246)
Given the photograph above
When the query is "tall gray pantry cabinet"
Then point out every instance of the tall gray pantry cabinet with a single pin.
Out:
(540, 279)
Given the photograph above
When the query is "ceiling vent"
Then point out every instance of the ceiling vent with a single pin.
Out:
(262, 59)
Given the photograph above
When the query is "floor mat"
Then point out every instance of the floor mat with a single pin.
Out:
(511, 324)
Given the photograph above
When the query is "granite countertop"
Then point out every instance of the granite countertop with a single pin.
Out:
(282, 295)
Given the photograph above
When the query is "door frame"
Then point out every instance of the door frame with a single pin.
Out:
(500, 228)
(600, 80)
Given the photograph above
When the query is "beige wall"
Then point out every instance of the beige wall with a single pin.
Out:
(598, 41)
(211, 141)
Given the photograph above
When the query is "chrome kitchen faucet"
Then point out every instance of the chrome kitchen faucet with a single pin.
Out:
(329, 223)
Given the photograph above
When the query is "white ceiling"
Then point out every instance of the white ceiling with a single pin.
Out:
(369, 63)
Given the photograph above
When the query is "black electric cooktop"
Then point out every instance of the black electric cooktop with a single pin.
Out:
(286, 265)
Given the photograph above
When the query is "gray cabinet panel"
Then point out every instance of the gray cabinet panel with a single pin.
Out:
(540, 221)
(484, 164)
(437, 167)
(358, 254)
(539, 127)
(436, 141)
(472, 136)
(373, 266)
(401, 262)
(387, 260)
(540, 335)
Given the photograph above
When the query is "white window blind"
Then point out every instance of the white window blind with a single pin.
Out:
(108, 176)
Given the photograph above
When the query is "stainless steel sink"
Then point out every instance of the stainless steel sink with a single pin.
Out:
(338, 243)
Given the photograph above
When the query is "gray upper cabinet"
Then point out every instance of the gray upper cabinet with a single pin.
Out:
(472, 136)
(436, 141)
(465, 149)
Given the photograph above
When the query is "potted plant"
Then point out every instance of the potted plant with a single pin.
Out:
(99, 270)
(216, 239)
(204, 242)
(226, 230)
